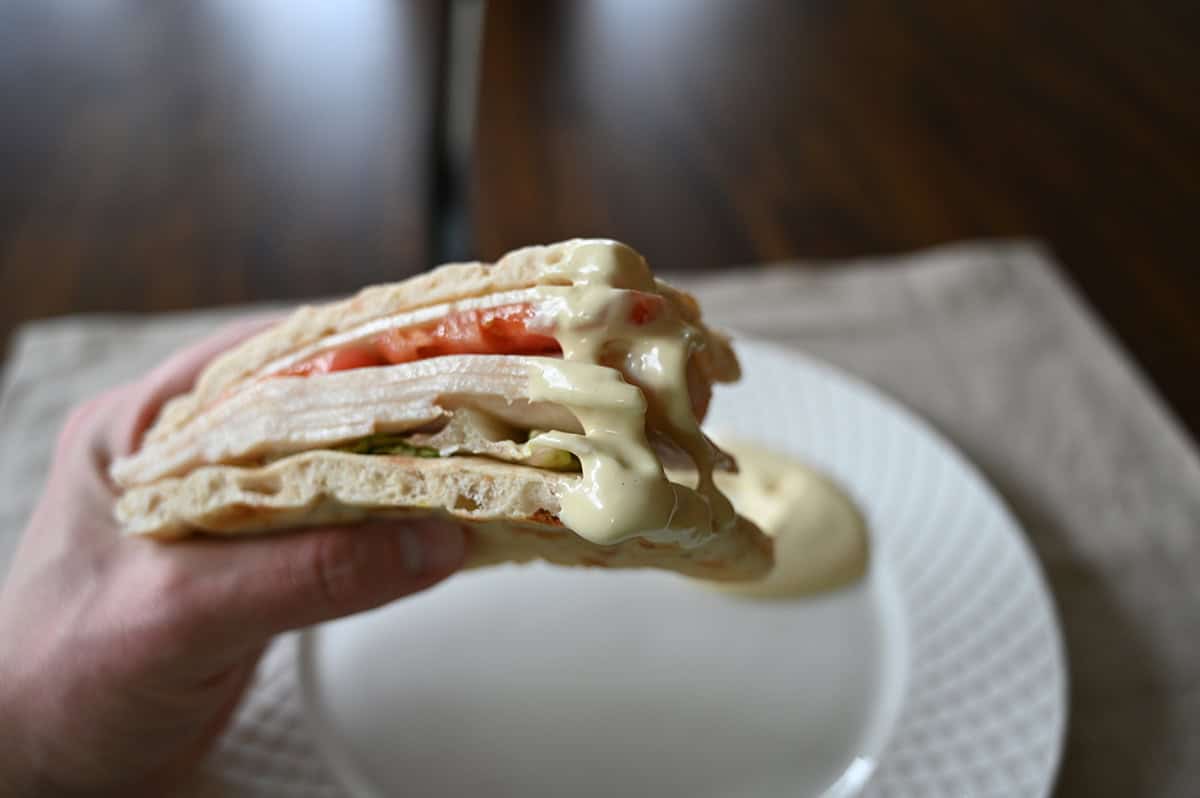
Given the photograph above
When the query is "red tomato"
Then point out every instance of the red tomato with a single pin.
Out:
(489, 331)
(355, 356)
(503, 330)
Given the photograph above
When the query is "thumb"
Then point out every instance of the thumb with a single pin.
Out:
(250, 589)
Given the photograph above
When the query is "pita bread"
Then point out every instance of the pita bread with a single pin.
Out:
(512, 510)
(233, 421)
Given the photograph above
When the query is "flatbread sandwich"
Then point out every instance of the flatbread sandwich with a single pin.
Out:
(535, 399)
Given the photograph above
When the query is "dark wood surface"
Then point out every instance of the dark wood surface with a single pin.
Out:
(708, 133)
(159, 154)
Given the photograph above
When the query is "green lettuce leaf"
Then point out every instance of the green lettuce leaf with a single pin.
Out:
(387, 444)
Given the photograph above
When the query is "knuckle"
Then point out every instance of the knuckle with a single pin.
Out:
(173, 603)
(158, 619)
(77, 420)
(89, 419)
(172, 580)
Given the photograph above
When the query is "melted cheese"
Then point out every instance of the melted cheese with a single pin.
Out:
(616, 376)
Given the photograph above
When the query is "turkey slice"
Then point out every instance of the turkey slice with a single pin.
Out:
(278, 416)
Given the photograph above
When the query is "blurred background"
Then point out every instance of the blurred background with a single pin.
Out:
(163, 155)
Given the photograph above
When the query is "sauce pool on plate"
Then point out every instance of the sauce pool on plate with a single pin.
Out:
(821, 539)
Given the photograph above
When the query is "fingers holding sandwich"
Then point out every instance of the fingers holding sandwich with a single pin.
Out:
(145, 649)
(204, 594)
(282, 581)
(229, 596)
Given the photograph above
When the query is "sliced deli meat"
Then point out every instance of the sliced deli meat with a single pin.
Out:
(568, 365)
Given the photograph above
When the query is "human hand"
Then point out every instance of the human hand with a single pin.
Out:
(122, 659)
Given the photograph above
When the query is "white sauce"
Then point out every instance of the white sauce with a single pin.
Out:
(821, 540)
(624, 492)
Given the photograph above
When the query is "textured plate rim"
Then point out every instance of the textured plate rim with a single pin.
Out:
(1018, 536)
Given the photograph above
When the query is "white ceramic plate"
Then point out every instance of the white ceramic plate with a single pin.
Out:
(941, 674)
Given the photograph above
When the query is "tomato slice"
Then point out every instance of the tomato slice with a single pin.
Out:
(504, 330)
(355, 356)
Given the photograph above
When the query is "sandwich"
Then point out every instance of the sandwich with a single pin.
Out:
(536, 400)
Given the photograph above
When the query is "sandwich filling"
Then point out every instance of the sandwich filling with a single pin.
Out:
(594, 371)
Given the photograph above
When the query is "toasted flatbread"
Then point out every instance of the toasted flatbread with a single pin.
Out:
(259, 446)
(512, 510)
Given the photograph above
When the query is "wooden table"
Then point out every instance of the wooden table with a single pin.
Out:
(713, 132)
(160, 155)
